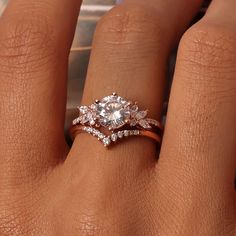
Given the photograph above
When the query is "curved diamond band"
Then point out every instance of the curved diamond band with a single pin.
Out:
(122, 118)
(107, 140)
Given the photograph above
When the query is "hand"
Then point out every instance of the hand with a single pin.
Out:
(47, 189)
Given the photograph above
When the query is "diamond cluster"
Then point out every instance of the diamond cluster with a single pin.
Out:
(113, 112)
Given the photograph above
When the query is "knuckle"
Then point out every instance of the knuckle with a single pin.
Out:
(130, 25)
(207, 58)
(25, 44)
(209, 46)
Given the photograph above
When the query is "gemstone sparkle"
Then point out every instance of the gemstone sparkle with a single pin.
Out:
(113, 112)
(106, 141)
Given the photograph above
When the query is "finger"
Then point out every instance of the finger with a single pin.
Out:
(198, 152)
(35, 38)
(130, 52)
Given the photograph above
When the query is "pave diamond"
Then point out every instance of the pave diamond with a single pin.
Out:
(83, 109)
(136, 132)
(113, 112)
(144, 124)
(101, 136)
(106, 141)
(126, 133)
(114, 137)
(120, 134)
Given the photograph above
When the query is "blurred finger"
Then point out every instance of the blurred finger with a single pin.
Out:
(197, 160)
(35, 38)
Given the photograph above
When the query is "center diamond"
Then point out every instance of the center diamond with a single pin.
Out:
(113, 111)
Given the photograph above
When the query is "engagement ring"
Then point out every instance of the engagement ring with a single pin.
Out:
(113, 118)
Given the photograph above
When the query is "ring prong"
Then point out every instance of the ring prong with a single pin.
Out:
(114, 93)
(97, 101)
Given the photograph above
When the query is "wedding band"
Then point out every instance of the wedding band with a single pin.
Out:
(113, 118)
(107, 140)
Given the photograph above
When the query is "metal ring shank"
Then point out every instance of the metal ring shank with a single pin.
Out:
(151, 135)
(78, 129)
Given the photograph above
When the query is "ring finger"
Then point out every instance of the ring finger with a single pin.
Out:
(130, 52)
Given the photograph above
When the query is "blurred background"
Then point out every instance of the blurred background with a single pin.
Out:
(91, 12)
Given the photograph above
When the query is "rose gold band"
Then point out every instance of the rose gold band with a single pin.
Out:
(107, 140)
(150, 134)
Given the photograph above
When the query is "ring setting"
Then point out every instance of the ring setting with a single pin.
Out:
(119, 117)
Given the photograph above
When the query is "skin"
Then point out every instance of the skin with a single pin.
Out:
(47, 189)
